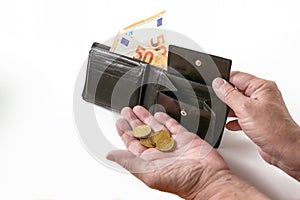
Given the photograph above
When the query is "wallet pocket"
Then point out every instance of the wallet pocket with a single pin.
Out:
(194, 118)
(192, 88)
(112, 82)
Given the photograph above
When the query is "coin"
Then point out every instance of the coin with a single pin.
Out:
(160, 135)
(166, 145)
(163, 141)
(146, 142)
(142, 131)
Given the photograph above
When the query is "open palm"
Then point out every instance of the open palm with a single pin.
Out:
(183, 171)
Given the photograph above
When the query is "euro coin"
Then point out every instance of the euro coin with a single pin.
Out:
(146, 142)
(160, 135)
(160, 140)
(163, 141)
(166, 145)
(142, 131)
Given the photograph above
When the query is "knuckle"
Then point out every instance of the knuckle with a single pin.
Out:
(272, 89)
(228, 93)
(233, 74)
(272, 85)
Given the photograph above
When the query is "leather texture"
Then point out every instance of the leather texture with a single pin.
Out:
(184, 91)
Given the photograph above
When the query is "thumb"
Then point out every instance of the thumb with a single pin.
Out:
(127, 160)
(229, 95)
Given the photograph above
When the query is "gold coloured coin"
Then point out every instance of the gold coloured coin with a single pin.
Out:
(162, 139)
(142, 131)
(160, 135)
(166, 145)
(146, 142)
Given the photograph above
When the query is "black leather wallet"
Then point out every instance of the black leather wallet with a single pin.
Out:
(183, 91)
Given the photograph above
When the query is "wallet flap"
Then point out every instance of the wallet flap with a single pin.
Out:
(197, 66)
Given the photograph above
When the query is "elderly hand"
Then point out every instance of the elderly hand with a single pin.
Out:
(194, 170)
(260, 112)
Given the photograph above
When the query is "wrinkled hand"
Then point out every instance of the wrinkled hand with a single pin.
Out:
(261, 113)
(193, 170)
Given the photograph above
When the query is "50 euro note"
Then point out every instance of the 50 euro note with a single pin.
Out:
(144, 41)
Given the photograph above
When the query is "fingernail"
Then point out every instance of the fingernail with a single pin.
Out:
(217, 83)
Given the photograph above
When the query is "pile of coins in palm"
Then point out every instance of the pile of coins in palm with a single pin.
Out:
(160, 140)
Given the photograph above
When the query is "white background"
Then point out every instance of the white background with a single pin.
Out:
(43, 45)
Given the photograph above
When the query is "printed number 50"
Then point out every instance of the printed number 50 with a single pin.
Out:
(142, 55)
(160, 40)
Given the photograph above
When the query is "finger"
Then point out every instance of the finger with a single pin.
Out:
(124, 127)
(171, 124)
(129, 115)
(187, 140)
(127, 160)
(233, 125)
(131, 143)
(231, 113)
(246, 83)
(241, 80)
(184, 139)
(146, 117)
(229, 95)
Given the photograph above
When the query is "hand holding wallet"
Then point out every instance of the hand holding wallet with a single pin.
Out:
(183, 91)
